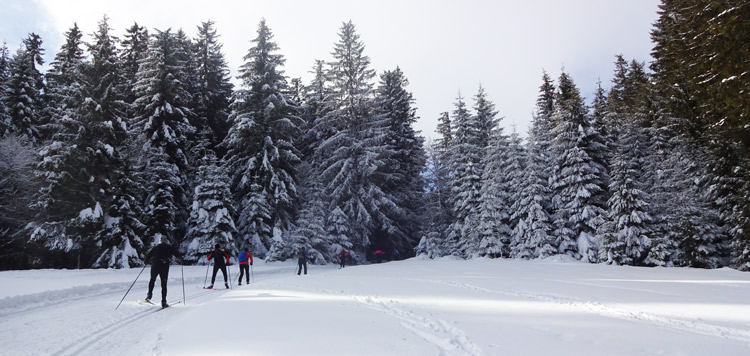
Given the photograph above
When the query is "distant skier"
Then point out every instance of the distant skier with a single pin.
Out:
(244, 257)
(221, 260)
(379, 254)
(160, 257)
(301, 261)
(343, 255)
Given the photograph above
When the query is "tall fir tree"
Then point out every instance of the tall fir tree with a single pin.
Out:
(466, 153)
(355, 154)
(211, 214)
(134, 49)
(261, 157)
(25, 91)
(214, 86)
(163, 123)
(577, 179)
(402, 174)
(495, 192)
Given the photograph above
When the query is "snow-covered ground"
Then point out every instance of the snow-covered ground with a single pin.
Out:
(413, 307)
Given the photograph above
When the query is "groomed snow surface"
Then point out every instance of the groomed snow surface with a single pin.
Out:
(413, 307)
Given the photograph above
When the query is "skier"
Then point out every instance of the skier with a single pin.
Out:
(379, 255)
(160, 257)
(219, 257)
(343, 255)
(301, 261)
(244, 268)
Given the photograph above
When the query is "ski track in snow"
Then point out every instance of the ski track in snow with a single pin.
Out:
(694, 326)
(449, 339)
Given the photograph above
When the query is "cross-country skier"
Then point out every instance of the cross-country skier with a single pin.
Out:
(301, 261)
(160, 257)
(343, 255)
(221, 260)
(244, 257)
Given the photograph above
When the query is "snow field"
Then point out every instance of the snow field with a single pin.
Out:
(412, 307)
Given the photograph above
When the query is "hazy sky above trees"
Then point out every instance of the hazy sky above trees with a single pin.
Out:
(442, 47)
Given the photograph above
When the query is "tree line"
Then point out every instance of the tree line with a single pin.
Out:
(124, 141)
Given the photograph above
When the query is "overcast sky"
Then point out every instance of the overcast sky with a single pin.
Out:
(443, 47)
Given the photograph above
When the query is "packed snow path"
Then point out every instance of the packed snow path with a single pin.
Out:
(414, 307)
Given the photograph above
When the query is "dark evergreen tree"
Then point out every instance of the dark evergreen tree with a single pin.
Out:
(261, 157)
(214, 87)
(134, 49)
(354, 155)
(163, 122)
(25, 91)
(495, 193)
(402, 174)
(466, 165)
(211, 214)
(577, 179)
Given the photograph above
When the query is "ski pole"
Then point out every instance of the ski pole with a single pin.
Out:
(204, 281)
(251, 273)
(131, 286)
(183, 284)
(229, 272)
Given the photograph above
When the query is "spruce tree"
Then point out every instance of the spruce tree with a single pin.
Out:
(577, 179)
(354, 154)
(466, 165)
(402, 174)
(163, 123)
(495, 192)
(25, 91)
(211, 214)
(261, 157)
(134, 49)
(214, 87)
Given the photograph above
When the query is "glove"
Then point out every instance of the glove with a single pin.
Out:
(251, 263)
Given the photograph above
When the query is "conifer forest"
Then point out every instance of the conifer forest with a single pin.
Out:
(134, 136)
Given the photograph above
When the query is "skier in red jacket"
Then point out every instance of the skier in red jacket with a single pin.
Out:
(244, 257)
(219, 264)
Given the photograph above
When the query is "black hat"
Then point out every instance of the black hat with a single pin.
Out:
(217, 246)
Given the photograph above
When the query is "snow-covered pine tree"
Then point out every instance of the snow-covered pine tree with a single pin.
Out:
(134, 49)
(466, 153)
(532, 234)
(515, 171)
(161, 210)
(577, 179)
(17, 188)
(339, 234)
(104, 114)
(64, 81)
(25, 90)
(626, 234)
(402, 174)
(163, 121)
(5, 67)
(437, 212)
(354, 154)
(495, 192)
(214, 87)
(80, 162)
(211, 214)
(260, 151)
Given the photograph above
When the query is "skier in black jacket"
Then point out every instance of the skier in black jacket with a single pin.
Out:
(219, 257)
(160, 257)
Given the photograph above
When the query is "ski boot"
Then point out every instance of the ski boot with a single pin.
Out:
(226, 285)
(164, 304)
